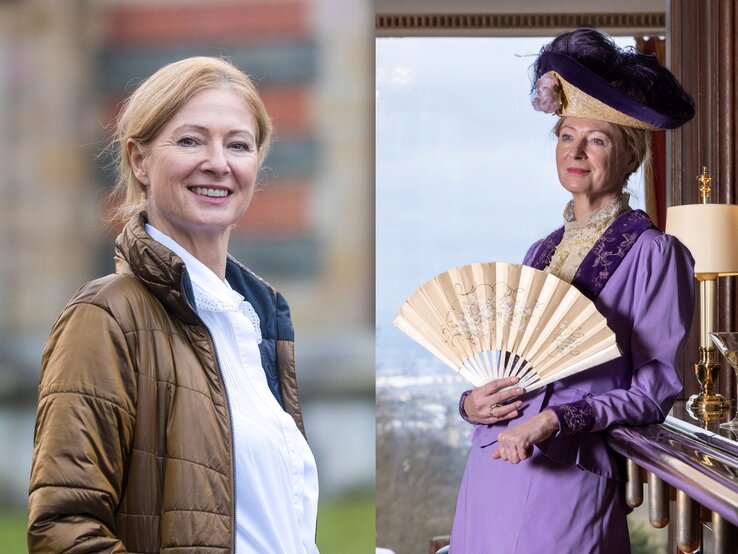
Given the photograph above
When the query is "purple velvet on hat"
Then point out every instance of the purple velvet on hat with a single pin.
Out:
(597, 87)
(632, 83)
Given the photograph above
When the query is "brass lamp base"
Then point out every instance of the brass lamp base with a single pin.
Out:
(706, 407)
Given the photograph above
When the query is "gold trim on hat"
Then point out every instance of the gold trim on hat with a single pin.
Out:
(577, 103)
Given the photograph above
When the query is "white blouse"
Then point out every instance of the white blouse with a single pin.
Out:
(276, 480)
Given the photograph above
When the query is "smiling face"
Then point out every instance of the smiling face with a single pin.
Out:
(592, 161)
(200, 170)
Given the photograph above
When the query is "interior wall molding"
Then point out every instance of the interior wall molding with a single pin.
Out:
(653, 21)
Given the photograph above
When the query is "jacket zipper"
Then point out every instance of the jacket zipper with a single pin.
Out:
(230, 420)
(233, 436)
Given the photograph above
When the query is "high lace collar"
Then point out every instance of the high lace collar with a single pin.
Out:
(581, 235)
(604, 214)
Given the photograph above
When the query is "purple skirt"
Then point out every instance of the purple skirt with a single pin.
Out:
(537, 506)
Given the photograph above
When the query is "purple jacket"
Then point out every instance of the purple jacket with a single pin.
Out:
(648, 301)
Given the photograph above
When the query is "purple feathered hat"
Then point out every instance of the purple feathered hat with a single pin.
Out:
(583, 73)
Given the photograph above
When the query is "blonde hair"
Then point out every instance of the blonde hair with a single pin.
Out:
(157, 100)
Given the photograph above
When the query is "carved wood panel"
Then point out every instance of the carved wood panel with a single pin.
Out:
(519, 21)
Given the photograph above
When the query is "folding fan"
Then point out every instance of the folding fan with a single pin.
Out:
(493, 320)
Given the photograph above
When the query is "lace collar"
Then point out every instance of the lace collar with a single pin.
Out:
(604, 214)
(211, 293)
(581, 235)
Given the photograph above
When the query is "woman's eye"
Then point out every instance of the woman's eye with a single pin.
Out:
(241, 146)
(187, 141)
(564, 137)
(598, 141)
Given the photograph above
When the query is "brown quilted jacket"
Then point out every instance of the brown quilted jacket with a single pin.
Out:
(133, 439)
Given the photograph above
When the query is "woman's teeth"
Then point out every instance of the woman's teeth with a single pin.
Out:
(214, 193)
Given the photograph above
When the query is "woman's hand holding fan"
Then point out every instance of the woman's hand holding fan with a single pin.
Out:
(489, 403)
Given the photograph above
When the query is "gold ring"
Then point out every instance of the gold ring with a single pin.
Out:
(492, 407)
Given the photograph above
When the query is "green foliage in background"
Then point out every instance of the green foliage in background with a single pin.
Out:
(344, 525)
(13, 532)
(347, 524)
(645, 539)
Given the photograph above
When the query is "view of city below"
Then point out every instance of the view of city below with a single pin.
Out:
(421, 440)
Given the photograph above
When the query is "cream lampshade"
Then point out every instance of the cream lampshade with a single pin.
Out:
(710, 231)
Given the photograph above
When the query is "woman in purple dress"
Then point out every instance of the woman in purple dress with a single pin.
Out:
(540, 477)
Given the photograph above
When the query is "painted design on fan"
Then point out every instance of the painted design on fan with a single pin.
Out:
(468, 315)
(566, 339)
(491, 320)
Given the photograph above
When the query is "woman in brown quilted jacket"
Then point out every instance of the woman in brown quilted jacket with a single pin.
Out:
(168, 416)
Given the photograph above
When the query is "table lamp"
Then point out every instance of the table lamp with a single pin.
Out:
(710, 231)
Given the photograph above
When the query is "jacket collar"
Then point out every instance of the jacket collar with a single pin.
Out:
(161, 270)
